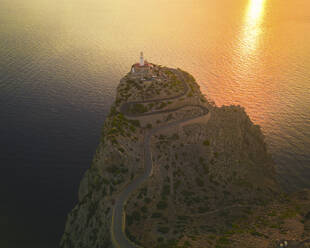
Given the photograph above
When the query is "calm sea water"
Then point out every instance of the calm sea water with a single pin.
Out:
(60, 63)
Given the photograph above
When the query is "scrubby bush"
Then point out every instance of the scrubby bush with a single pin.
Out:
(199, 182)
(162, 205)
(138, 108)
(156, 215)
(163, 229)
(206, 143)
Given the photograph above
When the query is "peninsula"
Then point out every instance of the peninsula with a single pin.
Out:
(174, 170)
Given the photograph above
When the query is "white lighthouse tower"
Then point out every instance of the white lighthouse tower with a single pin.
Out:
(141, 59)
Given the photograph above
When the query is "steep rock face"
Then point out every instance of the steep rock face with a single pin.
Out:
(209, 172)
(116, 162)
(205, 175)
(118, 158)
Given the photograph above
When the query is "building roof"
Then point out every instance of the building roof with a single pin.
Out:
(146, 64)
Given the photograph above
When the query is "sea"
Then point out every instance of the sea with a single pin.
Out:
(60, 64)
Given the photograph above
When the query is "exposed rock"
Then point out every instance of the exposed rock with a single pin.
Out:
(213, 182)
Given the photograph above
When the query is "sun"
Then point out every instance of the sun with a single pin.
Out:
(255, 10)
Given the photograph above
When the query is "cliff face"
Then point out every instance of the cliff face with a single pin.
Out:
(210, 168)
(205, 177)
(116, 162)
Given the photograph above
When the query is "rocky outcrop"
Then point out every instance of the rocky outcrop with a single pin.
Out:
(211, 172)
(206, 175)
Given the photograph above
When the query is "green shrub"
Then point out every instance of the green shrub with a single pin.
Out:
(144, 209)
(163, 229)
(156, 215)
(162, 205)
(203, 209)
(206, 143)
(136, 216)
(175, 136)
(138, 108)
(258, 234)
(222, 242)
(135, 122)
(129, 220)
(186, 244)
(162, 105)
(177, 183)
(166, 190)
(206, 169)
(199, 182)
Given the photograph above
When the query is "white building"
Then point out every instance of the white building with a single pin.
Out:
(142, 66)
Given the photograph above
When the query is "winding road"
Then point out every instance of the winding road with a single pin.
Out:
(118, 235)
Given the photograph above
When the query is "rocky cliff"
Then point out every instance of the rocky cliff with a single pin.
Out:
(211, 184)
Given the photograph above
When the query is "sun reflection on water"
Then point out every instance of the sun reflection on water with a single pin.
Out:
(252, 25)
(248, 63)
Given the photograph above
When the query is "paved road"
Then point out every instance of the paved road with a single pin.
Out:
(118, 236)
(126, 106)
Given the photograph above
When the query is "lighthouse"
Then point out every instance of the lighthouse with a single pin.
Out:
(142, 67)
(141, 59)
